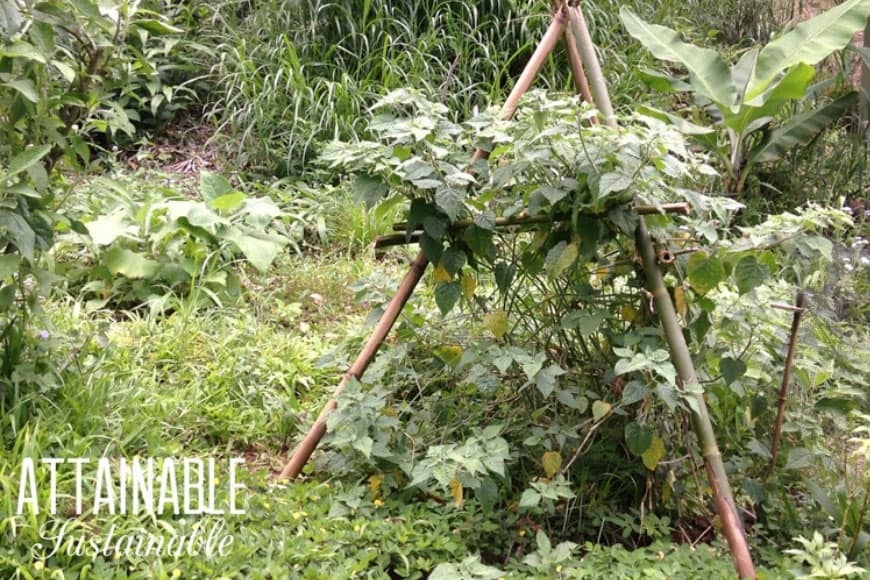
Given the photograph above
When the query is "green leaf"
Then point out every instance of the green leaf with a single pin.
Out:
(800, 130)
(682, 125)
(731, 369)
(155, 26)
(447, 295)
(8, 265)
(545, 379)
(258, 248)
(25, 160)
(708, 72)
(228, 202)
(561, 257)
(107, 228)
(800, 458)
(451, 200)
(749, 273)
(213, 185)
(20, 232)
(638, 438)
(792, 86)
(369, 189)
(453, 260)
(530, 499)
(809, 42)
(22, 49)
(130, 264)
(705, 272)
(25, 87)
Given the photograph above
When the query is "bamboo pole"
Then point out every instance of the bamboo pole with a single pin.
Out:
(586, 48)
(786, 378)
(523, 219)
(731, 523)
(682, 358)
(309, 443)
(581, 83)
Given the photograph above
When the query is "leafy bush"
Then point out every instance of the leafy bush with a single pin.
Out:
(139, 251)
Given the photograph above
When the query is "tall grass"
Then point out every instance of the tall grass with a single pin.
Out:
(290, 74)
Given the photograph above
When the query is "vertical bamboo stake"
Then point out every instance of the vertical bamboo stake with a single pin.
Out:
(731, 523)
(581, 83)
(586, 48)
(307, 446)
(786, 378)
(727, 509)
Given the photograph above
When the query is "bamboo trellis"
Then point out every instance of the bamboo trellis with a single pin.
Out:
(569, 24)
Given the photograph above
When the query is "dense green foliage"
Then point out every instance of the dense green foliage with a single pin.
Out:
(525, 419)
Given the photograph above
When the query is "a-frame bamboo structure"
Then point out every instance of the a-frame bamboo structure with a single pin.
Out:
(568, 22)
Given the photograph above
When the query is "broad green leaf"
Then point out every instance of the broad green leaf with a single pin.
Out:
(260, 211)
(213, 185)
(708, 72)
(107, 228)
(809, 42)
(451, 200)
(447, 295)
(731, 369)
(26, 159)
(682, 125)
(369, 189)
(155, 26)
(800, 130)
(529, 499)
(638, 438)
(800, 458)
(545, 379)
(130, 264)
(453, 259)
(228, 202)
(705, 272)
(19, 231)
(613, 182)
(8, 265)
(561, 257)
(449, 354)
(22, 49)
(654, 454)
(749, 273)
(25, 87)
(552, 462)
(258, 248)
(792, 86)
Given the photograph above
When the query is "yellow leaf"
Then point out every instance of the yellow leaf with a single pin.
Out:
(375, 482)
(450, 354)
(441, 274)
(497, 323)
(552, 461)
(680, 301)
(469, 284)
(654, 454)
(629, 312)
(600, 409)
(456, 490)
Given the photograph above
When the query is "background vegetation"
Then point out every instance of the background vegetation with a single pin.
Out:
(185, 269)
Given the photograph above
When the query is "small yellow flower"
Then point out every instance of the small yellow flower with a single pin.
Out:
(559, 569)
(117, 555)
(356, 528)
(522, 533)
(378, 503)
(38, 565)
(267, 505)
(297, 515)
(322, 530)
(176, 573)
(217, 481)
(326, 485)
